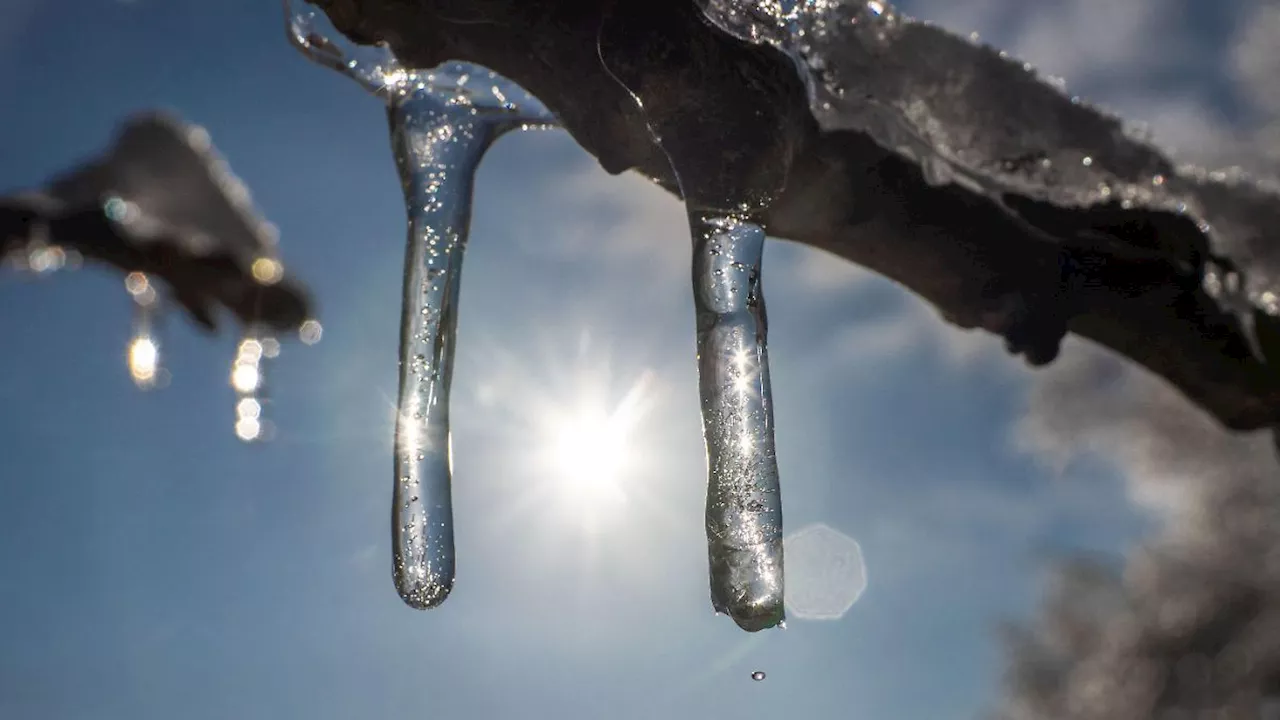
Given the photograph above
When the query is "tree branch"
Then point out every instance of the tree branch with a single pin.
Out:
(735, 122)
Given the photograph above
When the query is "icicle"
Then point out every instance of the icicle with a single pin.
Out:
(744, 504)
(442, 121)
(437, 160)
(144, 349)
(744, 500)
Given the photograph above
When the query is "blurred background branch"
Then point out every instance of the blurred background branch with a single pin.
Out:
(160, 202)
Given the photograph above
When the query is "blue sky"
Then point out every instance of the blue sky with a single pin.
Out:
(155, 567)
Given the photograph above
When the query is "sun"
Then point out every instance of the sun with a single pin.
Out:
(576, 434)
(587, 436)
(589, 454)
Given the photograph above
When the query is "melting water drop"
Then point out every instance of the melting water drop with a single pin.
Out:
(744, 504)
(758, 675)
(144, 349)
(442, 121)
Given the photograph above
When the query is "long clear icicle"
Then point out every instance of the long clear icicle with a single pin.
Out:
(439, 137)
(744, 502)
(442, 121)
(437, 156)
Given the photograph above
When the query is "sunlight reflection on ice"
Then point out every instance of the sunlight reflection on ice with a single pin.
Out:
(825, 573)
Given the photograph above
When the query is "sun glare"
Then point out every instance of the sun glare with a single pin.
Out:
(574, 436)
(590, 449)
(590, 454)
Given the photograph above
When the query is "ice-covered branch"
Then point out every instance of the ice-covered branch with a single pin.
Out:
(941, 164)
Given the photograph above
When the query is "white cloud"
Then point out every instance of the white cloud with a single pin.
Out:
(1254, 61)
(1101, 42)
(1177, 458)
(623, 219)
(878, 339)
(912, 326)
(820, 271)
(1253, 65)
(1120, 55)
(1078, 40)
(1190, 131)
(988, 18)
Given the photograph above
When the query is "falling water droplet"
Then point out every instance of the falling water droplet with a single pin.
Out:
(247, 380)
(744, 506)
(758, 675)
(144, 349)
(310, 332)
(144, 359)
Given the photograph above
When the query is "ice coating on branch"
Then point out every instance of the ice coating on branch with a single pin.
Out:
(472, 89)
(973, 115)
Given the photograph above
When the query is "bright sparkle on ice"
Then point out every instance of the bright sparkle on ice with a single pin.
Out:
(144, 360)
